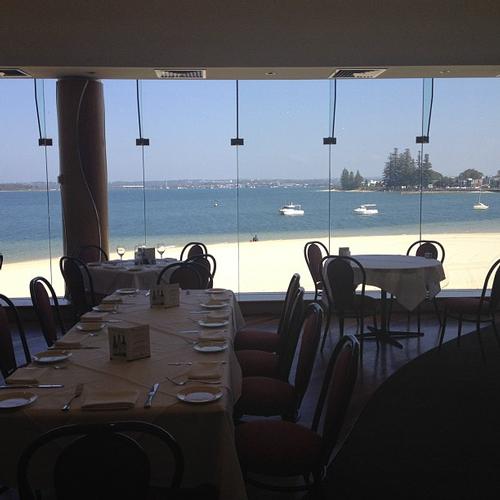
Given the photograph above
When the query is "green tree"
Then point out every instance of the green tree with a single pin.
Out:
(470, 173)
(358, 180)
(344, 179)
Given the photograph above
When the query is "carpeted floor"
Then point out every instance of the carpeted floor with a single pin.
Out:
(432, 430)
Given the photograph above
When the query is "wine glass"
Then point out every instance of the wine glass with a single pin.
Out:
(160, 247)
(120, 251)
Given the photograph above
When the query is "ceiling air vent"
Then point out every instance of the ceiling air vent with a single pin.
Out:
(357, 73)
(13, 73)
(181, 74)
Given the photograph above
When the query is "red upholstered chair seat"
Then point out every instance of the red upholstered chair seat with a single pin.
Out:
(277, 448)
(266, 396)
(253, 338)
(258, 363)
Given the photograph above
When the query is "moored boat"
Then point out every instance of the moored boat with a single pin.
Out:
(291, 209)
(367, 209)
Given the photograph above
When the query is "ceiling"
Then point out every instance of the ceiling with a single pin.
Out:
(254, 39)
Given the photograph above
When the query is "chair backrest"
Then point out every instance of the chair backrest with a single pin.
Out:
(1, 261)
(79, 284)
(286, 310)
(311, 333)
(494, 298)
(336, 392)
(102, 462)
(208, 262)
(8, 363)
(187, 274)
(314, 252)
(423, 247)
(92, 253)
(342, 275)
(192, 249)
(290, 337)
(48, 316)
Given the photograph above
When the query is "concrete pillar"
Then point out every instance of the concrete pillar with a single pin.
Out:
(83, 170)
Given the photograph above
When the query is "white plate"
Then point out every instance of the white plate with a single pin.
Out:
(216, 290)
(90, 326)
(126, 291)
(212, 324)
(209, 346)
(51, 356)
(199, 395)
(105, 308)
(16, 399)
(213, 306)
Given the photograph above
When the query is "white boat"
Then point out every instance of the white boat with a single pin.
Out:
(291, 209)
(480, 206)
(367, 209)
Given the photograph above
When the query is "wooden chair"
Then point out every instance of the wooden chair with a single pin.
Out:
(265, 340)
(79, 284)
(477, 310)
(48, 316)
(342, 275)
(189, 275)
(280, 448)
(208, 262)
(92, 253)
(255, 363)
(8, 362)
(265, 396)
(103, 461)
(192, 249)
(314, 253)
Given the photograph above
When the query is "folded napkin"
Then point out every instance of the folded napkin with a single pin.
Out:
(68, 344)
(111, 299)
(109, 400)
(93, 316)
(217, 316)
(214, 302)
(26, 375)
(205, 370)
(211, 336)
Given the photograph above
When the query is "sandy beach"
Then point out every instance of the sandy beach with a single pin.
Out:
(266, 266)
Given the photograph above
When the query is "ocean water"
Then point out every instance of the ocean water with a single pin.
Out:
(177, 216)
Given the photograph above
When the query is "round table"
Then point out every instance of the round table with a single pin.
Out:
(112, 275)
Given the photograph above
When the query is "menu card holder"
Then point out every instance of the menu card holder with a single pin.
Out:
(165, 295)
(129, 343)
(145, 255)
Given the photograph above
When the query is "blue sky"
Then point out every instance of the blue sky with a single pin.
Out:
(283, 122)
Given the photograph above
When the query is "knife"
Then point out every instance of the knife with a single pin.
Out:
(31, 386)
(151, 394)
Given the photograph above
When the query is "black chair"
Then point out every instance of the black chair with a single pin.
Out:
(1, 261)
(430, 249)
(188, 275)
(79, 284)
(275, 448)
(8, 362)
(208, 262)
(314, 253)
(477, 310)
(102, 462)
(192, 249)
(92, 253)
(48, 316)
(342, 275)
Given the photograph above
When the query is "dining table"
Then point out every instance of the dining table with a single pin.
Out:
(116, 274)
(191, 358)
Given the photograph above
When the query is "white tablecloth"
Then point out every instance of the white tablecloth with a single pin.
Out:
(109, 276)
(205, 432)
(410, 279)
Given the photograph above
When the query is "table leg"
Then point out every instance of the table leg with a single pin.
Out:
(384, 334)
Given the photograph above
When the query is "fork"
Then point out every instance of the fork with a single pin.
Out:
(184, 382)
(77, 394)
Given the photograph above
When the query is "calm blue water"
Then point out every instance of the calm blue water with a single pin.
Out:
(178, 216)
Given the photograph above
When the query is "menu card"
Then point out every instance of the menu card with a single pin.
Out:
(145, 255)
(129, 343)
(165, 295)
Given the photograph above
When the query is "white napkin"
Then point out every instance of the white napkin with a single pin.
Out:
(68, 344)
(109, 400)
(111, 299)
(205, 370)
(93, 316)
(26, 375)
(217, 316)
(207, 336)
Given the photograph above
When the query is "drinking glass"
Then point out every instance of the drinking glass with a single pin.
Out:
(160, 247)
(120, 251)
